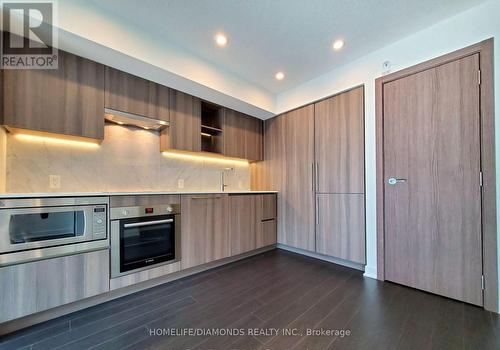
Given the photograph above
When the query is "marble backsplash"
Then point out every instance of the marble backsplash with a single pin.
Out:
(127, 160)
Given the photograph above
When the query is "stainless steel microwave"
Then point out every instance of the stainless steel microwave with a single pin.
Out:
(47, 227)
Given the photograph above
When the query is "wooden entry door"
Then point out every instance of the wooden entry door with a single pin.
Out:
(433, 202)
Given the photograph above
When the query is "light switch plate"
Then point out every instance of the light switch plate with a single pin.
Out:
(180, 183)
(55, 181)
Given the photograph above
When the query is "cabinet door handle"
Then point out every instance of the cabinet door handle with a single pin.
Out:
(207, 197)
(317, 211)
(316, 173)
(313, 184)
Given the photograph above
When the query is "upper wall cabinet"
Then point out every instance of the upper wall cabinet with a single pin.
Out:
(131, 94)
(339, 143)
(242, 136)
(184, 132)
(68, 100)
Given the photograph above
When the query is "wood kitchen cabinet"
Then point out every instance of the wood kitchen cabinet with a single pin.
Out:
(184, 132)
(288, 169)
(242, 136)
(252, 221)
(267, 220)
(37, 286)
(205, 235)
(68, 100)
(314, 158)
(127, 93)
(340, 230)
(296, 209)
(243, 222)
(339, 143)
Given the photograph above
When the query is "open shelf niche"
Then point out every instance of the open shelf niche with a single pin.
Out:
(212, 118)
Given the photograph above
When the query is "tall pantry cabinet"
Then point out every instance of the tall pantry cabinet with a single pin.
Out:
(314, 157)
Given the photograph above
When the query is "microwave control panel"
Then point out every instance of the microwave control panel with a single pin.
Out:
(99, 222)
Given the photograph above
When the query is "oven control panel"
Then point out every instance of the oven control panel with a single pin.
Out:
(99, 222)
(140, 211)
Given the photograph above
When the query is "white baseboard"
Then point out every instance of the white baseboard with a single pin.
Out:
(337, 261)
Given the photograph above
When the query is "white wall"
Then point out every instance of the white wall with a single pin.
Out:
(95, 34)
(477, 24)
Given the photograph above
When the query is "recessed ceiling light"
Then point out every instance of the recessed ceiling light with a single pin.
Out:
(280, 76)
(221, 40)
(338, 44)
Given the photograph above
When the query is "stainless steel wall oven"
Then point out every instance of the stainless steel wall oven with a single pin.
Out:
(144, 236)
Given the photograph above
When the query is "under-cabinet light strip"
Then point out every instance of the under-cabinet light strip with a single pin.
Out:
(195, 157)
(55, 140)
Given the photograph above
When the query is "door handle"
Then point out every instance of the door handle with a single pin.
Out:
(148, 223)
(393, 181)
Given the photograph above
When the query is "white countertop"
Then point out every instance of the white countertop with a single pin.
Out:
(135, 193)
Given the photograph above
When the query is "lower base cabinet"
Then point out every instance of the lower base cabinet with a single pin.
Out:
(340, 226)
(37, 286)
(267, 219)
(266, 235)
(252, 222)
(205, 235)
(219, 226)
(243, 223)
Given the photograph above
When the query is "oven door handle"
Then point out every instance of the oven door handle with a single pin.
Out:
(148, 223)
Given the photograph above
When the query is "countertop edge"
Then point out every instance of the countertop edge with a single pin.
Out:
(110, 194)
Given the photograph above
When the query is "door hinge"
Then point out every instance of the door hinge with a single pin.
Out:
(482, 282)
(480, 179)
(479, 77)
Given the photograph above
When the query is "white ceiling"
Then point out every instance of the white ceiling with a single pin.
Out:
(290, 35)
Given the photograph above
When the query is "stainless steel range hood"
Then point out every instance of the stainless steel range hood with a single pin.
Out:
(124, 118)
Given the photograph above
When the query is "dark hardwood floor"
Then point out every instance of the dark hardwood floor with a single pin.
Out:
(269, 293)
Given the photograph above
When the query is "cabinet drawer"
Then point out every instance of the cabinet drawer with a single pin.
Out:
(41, 285)
(267, 233)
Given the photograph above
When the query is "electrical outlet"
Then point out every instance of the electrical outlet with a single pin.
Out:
(55, 181)
(240, 184)
(180, 183)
